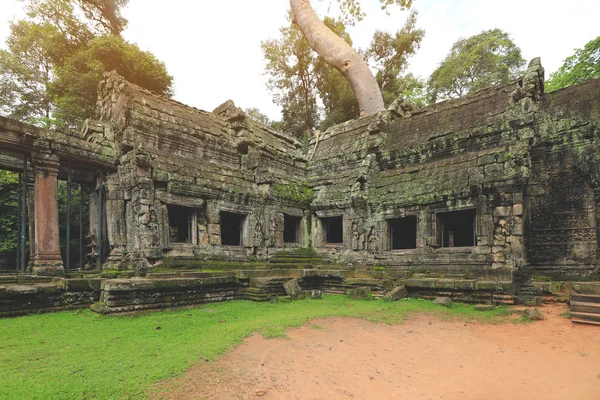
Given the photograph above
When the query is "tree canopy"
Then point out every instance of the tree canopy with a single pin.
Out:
(55, 58)
(291, 80)
(389, 54)
(313, 94)
(583, 65)
(489, 58)
(339, 54)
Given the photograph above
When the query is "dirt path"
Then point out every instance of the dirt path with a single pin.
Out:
(425, 358)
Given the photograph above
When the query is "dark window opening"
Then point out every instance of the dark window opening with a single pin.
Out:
(291, 229)
(457, 228)
(180, 224)
(403, 233)
(232, 226)
(334, 229)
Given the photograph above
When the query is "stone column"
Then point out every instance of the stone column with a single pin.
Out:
(116, 225)
(47, 260)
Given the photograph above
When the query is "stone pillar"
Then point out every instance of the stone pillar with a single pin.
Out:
(213, 219)
(116, 225)
(47, 260)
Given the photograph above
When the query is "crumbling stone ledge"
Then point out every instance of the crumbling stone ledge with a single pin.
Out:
(25, 295)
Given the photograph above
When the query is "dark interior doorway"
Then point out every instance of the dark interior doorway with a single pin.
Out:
(180, 224)
(232, 226)
(291, 229)
(334, 229)
(457, 228)
(403, 233)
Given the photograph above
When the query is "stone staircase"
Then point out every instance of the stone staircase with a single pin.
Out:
(585, 308)
(299, 259)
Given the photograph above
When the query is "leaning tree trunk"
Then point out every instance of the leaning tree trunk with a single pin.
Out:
(340, 55)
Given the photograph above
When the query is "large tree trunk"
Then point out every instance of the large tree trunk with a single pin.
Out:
(340, 55)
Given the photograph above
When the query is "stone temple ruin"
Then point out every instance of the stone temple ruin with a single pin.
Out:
(470, 198)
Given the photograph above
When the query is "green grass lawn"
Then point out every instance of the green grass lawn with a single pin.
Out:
(81, 355)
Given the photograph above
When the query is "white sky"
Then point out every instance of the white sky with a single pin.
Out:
(212, 48)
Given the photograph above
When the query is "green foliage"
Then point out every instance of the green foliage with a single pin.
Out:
(298, 77)
(291, 80)
(26, 72)
(50, 72)
(582, 66)
(9, 197)
(255, 114)
(488, 58)
(105, 14)
(75, 87)
(294, 191)
(389, 54)
(99, 17)
(351, 10)
(72, 355)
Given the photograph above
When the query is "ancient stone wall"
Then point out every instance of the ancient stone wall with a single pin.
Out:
(509, 157)
(562, 195)
(499, 183)
(175, 159)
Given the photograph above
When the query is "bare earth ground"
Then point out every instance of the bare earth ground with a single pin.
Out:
(424, 358)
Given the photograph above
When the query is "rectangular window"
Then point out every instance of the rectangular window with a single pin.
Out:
(232, 228)
(457, 228)
(403, 233)
(334, 229)
(180, 224)
(291, 228)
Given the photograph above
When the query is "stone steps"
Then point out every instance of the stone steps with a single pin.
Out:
(587, 298)
(584, 321)
(583, 317)
(585, 308)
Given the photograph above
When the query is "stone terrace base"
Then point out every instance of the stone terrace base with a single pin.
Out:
(27, 294)
(126, 295)
(20, 295)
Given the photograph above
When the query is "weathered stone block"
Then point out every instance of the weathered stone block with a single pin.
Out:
(533, 314)
(529, 300)
(447, 284)
(502, 211)
(260, 282)
(443, 301)
(316, 294)
(359, 293)
(293, 290)
(20, 289)
(464, 284)
(486, 159)
(421, 283)
(397, 293)
(518, 209)
(385, 284)
(586, 287)
(486, 285)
